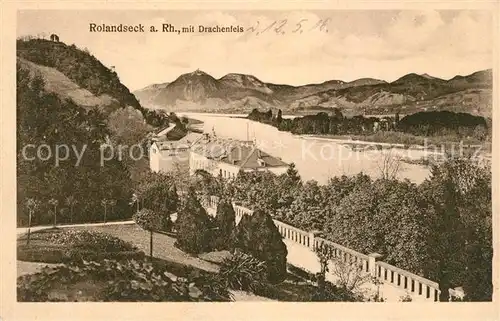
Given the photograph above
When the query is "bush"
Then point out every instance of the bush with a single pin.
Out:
(69, 245)
(333, 293)
(243, 272)
(148, 219)
(46, 254)
(90, 241)
(257, 235)
(74, 255)
(193, 227)
(225, 223)
(128, 281)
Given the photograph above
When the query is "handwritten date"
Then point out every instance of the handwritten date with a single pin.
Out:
(284, 26)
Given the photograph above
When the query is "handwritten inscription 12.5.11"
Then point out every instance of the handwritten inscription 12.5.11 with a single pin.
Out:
(284, 26)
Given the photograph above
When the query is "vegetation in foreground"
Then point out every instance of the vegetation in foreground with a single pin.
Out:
(87, 280)
(111, 280)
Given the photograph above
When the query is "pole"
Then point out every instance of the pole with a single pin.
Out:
(105, 213)
(151, 243)
(29, 228)
(55, 216)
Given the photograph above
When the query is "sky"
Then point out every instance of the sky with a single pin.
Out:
(350, 45)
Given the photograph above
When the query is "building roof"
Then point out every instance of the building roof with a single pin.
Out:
(243, 154)
(185, 142)
(165, 130)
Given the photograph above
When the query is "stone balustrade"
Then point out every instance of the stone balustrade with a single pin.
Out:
(347, 255)
(239, 211)
(294, 234)
(416, 286)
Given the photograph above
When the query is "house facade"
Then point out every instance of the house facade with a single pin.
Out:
(227, 157)
(166, 155)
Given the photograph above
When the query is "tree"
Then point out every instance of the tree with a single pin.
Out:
(390, 165)
(150, 221)
(225, 223)
(32, 205)
(127, 126)
(348, 273)
(193, 226)
(71, 202)
(459, 191)
(54, 203)
(112, 203)
(258, 236)
(107, 202)
(136, 200)
(292, 173)
(279, 118)
(43, 118)
(158, 193)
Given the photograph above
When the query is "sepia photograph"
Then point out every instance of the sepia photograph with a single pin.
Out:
(254, 155)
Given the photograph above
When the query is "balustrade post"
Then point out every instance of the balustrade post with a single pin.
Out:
(372, 260)
(312, 235)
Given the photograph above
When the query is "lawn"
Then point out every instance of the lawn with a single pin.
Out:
(57, 245)
(163, 245)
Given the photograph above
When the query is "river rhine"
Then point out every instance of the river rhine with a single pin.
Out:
(315, 159)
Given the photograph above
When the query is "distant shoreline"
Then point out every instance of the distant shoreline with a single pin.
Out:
(357, 141)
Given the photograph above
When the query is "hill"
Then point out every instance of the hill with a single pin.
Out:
(147, 95)
(76, 74)
(198, 91)
(56, 82)
(80, 66)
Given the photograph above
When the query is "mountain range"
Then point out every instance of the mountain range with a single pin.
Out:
(240, 93)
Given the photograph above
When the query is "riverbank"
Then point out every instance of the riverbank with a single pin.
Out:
(404, 139)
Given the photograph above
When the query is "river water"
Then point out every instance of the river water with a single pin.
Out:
(315, 158)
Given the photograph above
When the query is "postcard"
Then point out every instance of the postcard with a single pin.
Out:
(249, 157)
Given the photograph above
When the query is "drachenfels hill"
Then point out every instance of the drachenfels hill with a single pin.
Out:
(199, 91)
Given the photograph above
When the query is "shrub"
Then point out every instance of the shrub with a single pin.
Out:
(331, 292)
(90, 241)
(70, 245)
(405, 298)
(257, 235)
(46, 254)
(193, 227)
(148, 219)
(243, 272)
(73, 255)
(225, 222)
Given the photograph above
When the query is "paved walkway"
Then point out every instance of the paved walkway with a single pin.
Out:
(163, 245)
(22, 230)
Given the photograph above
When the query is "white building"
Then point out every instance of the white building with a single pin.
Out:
(166, 155)
(227, 157)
